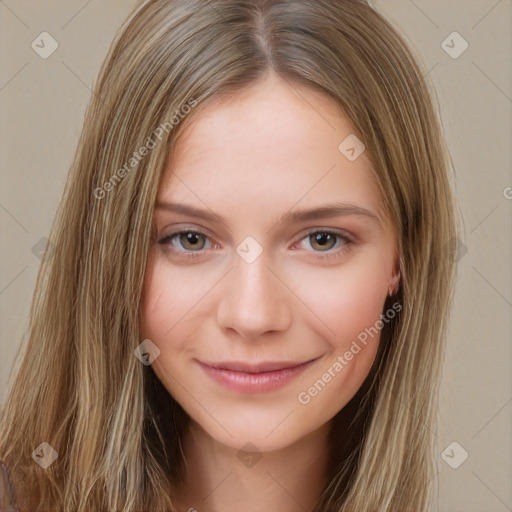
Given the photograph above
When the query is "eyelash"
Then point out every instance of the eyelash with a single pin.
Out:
(348, 242)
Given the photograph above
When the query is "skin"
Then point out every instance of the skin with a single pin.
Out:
(270, 149)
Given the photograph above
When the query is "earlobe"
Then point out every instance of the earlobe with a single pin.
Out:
(394, 284)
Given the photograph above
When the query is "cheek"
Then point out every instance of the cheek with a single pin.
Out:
(167, 305)
(350, 306)
(345, 300)
(168, 301)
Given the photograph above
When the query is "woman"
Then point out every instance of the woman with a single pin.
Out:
(247, 293)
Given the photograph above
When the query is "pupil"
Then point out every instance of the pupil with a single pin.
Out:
(322, 238)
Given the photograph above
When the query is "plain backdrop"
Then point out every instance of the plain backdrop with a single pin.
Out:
(43, 102)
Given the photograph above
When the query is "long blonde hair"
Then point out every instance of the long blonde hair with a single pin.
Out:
(79, 387)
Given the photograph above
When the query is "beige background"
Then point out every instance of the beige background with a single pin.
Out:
(43, 102)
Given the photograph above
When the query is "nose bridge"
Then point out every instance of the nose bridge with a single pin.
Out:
(253, 301)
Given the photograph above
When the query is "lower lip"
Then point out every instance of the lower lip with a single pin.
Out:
(243, 382)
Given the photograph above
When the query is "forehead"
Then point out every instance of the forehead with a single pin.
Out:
(273, 143)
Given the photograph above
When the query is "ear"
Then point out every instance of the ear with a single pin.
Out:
(394, 283)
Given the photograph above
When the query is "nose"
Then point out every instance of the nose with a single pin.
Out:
(254, 300)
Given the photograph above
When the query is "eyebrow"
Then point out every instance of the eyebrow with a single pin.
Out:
(291, 217)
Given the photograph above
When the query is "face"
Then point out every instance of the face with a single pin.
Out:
(255, 293)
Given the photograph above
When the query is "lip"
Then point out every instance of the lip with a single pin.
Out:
(254, 378)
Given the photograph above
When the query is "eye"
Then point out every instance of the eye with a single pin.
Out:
(324, 241)
(190, 243)
(185, 241)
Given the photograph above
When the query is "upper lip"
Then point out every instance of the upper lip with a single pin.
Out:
(268, 366)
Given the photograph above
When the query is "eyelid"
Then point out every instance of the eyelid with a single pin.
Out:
(202, 231)
(335, 231)
(347, 242)
(165, 239)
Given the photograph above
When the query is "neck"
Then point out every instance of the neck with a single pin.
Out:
(219, 478)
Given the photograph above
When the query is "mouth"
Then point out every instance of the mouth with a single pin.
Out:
(255, 378)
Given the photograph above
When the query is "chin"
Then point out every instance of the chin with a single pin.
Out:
(263, 431)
